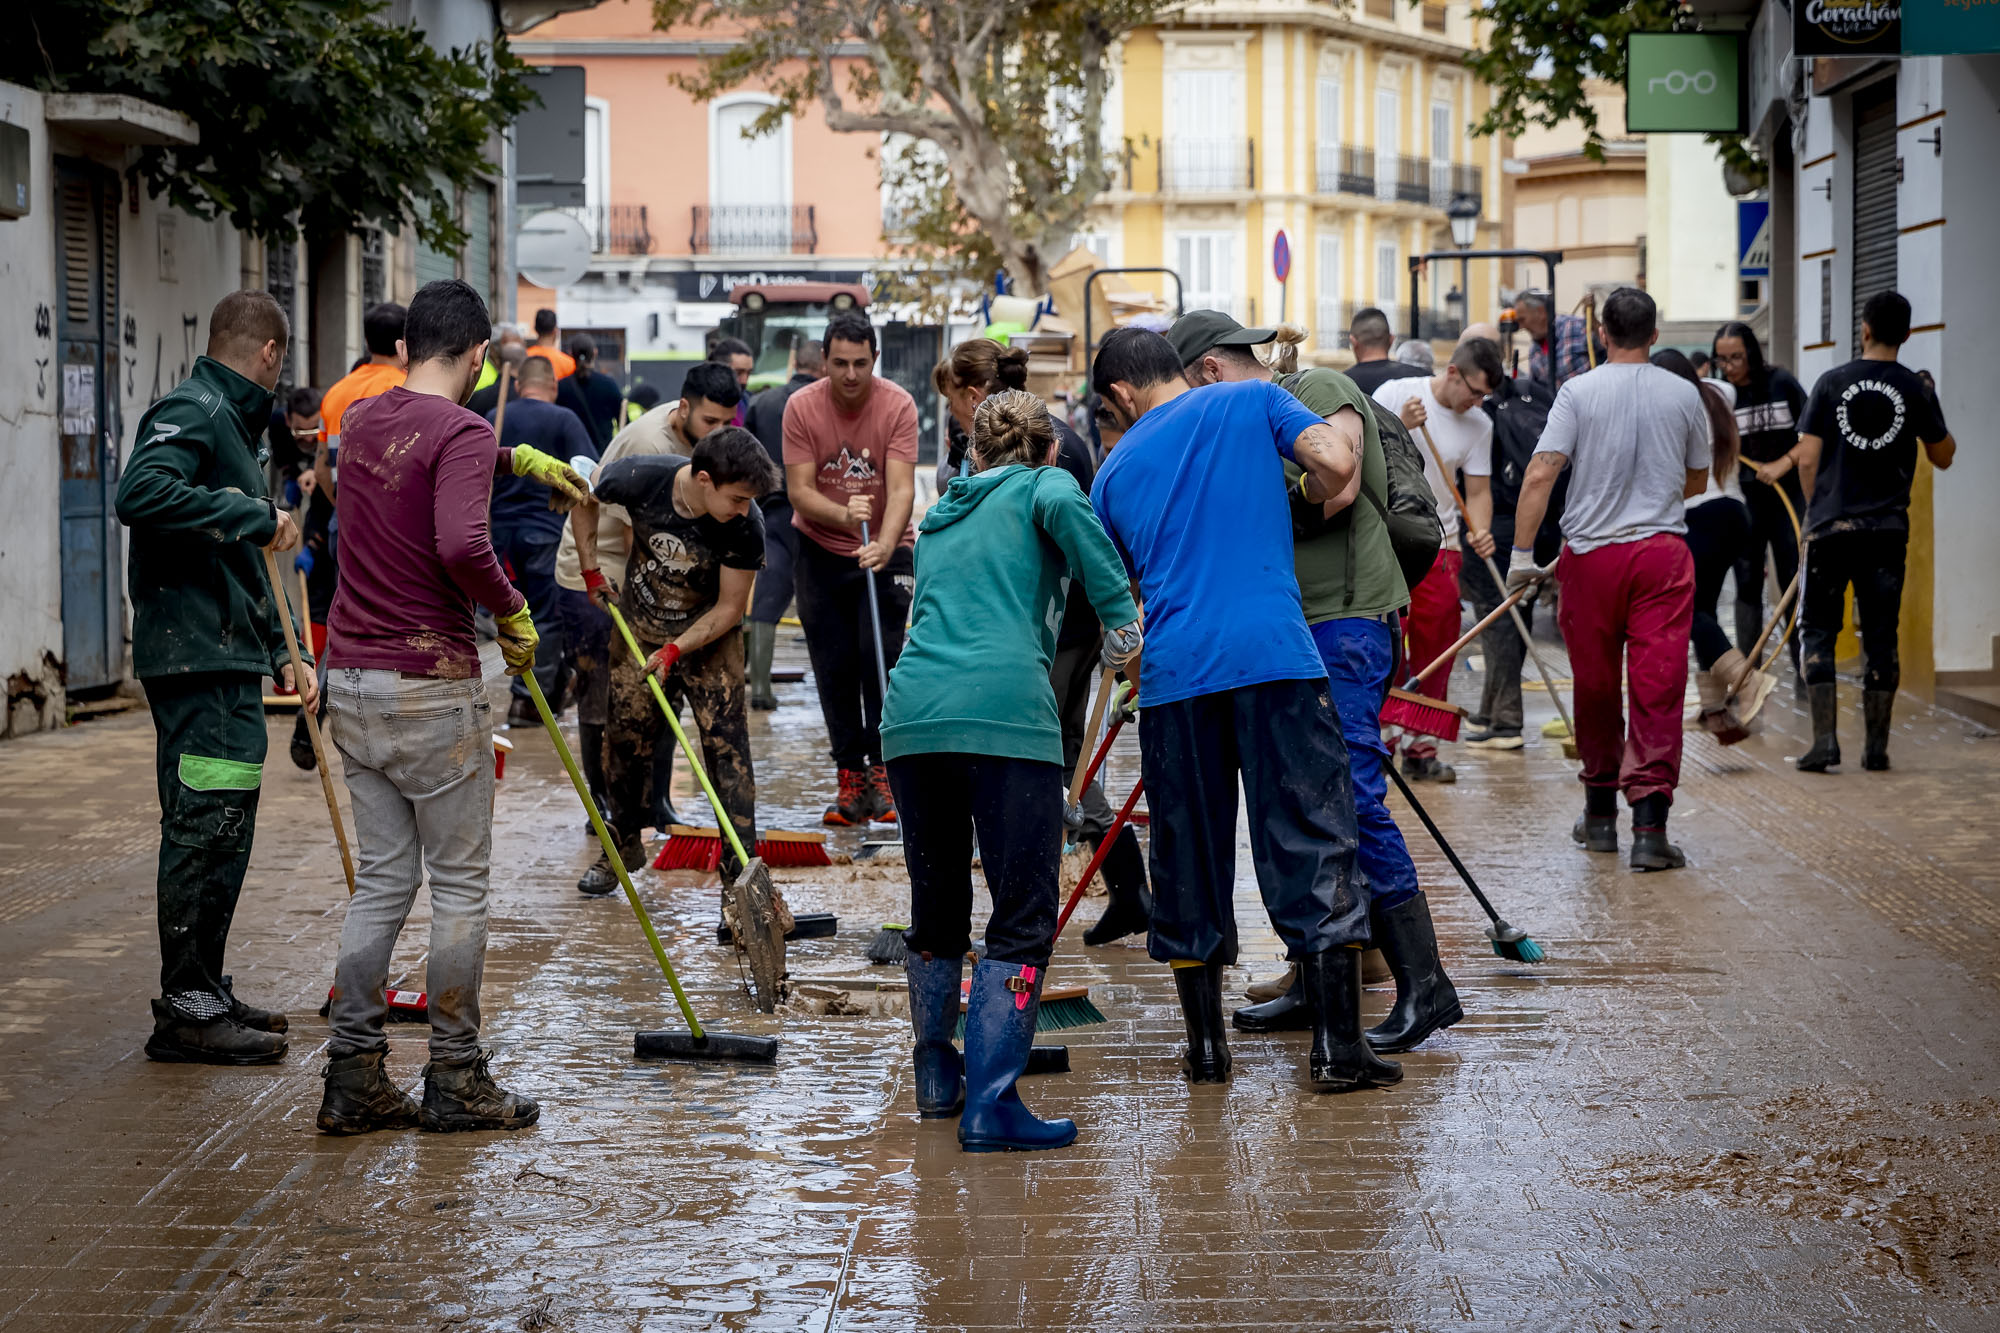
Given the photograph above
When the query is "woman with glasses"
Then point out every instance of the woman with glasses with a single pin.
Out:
(1769, 403)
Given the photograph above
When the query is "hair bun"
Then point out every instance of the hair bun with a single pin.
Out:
(1010, 368)
(1012, 426)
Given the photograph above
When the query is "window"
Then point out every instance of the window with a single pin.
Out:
(1388, 141)
(1206, 146)
(1441, 118)
(1207, 264)
(749, 182)
(1330, 318)
(1385, 282)
(906, 165)
(1328, 100)
(596, 154)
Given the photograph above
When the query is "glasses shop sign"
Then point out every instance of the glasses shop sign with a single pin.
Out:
(1847, 28)
(1685, 82)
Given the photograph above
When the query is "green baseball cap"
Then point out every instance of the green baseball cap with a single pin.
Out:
(1199, 331)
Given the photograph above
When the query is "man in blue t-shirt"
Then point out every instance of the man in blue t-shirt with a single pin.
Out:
(1194, 496)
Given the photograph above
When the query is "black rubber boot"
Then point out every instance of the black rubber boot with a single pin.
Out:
(1823, 701)
(760, 641)
(360, 1098)
(939, 1068)
(258, 1020)
(1650, 848)
(181, 1038)
(1206, 1059)
(1425, 998)
(1130, 910)
(465, 1097)
(1596, 829)
(1288, 1013)
(1341, 1060)
(602, 877)
(1877, 706)
(590, 755)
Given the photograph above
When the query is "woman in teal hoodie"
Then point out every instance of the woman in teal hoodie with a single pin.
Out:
(972, 742)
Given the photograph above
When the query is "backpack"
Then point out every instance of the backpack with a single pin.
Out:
(1410, 509)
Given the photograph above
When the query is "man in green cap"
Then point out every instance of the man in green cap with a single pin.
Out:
(205, 633)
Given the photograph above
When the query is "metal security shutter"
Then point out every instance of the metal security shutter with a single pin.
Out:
(84, 383)
(479, 246)
(433, 264)
(1874, 197)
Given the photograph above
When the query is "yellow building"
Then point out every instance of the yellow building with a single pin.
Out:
(1345, 126)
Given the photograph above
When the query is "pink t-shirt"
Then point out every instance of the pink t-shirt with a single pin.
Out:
(848, 452)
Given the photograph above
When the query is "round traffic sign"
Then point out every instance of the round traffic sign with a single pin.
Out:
(552, 249)
(1281, 257)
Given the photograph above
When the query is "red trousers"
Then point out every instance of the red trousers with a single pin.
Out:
(1631, 606)
(1431, 627)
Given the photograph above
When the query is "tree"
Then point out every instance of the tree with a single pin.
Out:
(314, 114)
(1002, 102)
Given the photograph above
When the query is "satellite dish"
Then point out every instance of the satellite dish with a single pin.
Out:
(552, 249)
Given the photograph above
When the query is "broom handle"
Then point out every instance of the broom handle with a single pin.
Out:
(1470, 635)
(1097, 859)
(312, 722)
(714, 801)
(1443, 846)
(1103, 752)
(1085, 767)
(875, 623)
(611, 852)
(500, 411)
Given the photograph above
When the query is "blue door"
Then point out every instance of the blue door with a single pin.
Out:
(93, 608)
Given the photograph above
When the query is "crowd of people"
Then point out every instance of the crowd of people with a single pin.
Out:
(1260, 551)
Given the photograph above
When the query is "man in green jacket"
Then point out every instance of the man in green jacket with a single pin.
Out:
(205, 633)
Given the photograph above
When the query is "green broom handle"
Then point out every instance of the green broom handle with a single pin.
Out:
(721, 815)
(611, 852)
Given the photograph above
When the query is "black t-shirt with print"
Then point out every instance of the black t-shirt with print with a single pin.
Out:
(1869, 417)
(1768, 415)
(675, 571)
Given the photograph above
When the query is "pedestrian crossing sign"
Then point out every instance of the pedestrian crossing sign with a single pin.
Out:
(1753, 238)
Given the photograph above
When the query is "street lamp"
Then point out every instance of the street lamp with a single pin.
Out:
(1464, 215)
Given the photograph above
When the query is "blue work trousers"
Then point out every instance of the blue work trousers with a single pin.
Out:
(1359, 655)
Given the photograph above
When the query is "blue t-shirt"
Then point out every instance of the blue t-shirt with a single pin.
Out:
(1194, 498)
(522, 502)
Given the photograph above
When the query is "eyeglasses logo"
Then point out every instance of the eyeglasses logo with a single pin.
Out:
(1680, 81)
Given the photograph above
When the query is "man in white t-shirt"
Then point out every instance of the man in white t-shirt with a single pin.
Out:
(1444, 413)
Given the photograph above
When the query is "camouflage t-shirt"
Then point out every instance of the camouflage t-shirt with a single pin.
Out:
(674, 574)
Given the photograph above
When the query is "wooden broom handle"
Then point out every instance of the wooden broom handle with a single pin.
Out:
(1472, 633)
(1106, 684)
(312, 722)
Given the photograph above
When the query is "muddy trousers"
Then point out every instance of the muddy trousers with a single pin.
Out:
(832, 593)
(1358, 654)
(710, 683)
(210, 764)
(1629, 605)
(1015, 806)
(1283, 737)
(1871, 561)
(1431, 627)
(418, 753)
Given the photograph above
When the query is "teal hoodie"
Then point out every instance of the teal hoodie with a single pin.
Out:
(993, 564)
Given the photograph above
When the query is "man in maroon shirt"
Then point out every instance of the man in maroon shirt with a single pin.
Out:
(411, 716)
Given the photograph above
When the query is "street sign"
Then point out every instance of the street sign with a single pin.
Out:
(1949, 28)
(1281, 258)
(552, 249)
(1847, 28)
(1753, 238)
(1685, 82)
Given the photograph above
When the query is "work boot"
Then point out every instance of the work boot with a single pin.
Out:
(1493, 738)
(1130, 911)
(1596, 828)
(761, 639)
(999, 1029)
(1746, 686)
(1823, 702)
(881, 801)
(257, 1020)
(1876, 708)
(464, 1096)
(934, 1017)
(1714, 714)
(1425, 998)
(1428, 768)
(360, 1098)
(1260, 991)
(602, 877)
(850, 806)
(1341, 1060)
(180, 1037)
(521, 712)
(302, 746)
(1206, 1059)
(1650, 848)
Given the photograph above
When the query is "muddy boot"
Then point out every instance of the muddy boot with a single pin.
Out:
(850, 806)
(1596, 829)
(1427, 768)
(1341, 1060)
(1650, 848)
(1260, 991)
(258, 1020)
(761, 639)
(1130, 911)
(1285, 1012)
(999, 1029)
(602, 877)
(1823, 701)
(1206, 1059)
(1747, 687)
(360, 1099)
(464, 1096)
(181, 1036)
(590, 756)
(1714, 714)
(934, 1016)
(880, 801)
(1425, 998)
(1876, 708)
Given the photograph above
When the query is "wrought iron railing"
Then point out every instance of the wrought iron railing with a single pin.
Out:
(754, 229)
(1207, 166)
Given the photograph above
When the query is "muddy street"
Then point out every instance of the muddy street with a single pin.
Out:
(1757, 1093)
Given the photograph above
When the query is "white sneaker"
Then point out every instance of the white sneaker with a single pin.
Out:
(1492, 740)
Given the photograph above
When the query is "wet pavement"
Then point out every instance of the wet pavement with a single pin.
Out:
(1757, 1093)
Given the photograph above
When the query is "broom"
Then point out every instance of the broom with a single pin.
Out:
(690, 848)
(1424, 715)
(1508, 941)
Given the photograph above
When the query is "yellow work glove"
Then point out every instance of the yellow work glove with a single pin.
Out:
(518, 640)
(566, 485)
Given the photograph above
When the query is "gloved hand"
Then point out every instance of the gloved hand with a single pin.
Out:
(661, 662)
(517, 640)
(567, 487)
(303, 561)
(1523, 572)
(1125, 703)
(1121, 646)
(601, 591)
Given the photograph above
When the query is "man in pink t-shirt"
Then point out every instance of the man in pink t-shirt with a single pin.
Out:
(850, 465)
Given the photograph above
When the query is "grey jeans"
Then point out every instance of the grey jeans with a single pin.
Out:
(419, 759)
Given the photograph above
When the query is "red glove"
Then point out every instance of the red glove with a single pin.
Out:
(661, 662)
(598, 588)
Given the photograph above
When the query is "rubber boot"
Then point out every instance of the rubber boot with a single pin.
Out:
(1287, 1012)
(181, 1038)
(1206, 1059)
(249, 1015)
(1596, 829)
(1876, 708)
(1130, 910)
(934, 1017)
(1650, 848)
(999, 1029)
(465, 1097)
(602, 877)
(590, 754)
(761, 639)
(1823, 702)
(1341, 1060)
(1425, 998)
(360, 1098)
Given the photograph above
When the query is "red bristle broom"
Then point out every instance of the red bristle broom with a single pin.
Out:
(1424, 715)
(690, 848)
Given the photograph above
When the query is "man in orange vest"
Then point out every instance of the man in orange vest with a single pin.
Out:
(548, 343)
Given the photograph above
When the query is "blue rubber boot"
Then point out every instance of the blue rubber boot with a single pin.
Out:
(999, 1029)
(934, 1015)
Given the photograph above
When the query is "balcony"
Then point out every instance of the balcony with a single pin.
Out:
(754, 229)
(615, 229)
(1344, 170)
(1451, 179)
(1207, 166)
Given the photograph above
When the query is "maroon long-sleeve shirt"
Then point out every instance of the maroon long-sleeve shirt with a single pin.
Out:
(416, 477)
